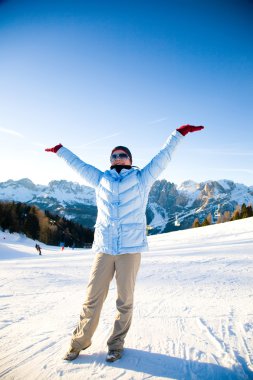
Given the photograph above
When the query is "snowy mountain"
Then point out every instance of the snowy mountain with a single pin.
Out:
(192, 316)
(69, 199)
(190, 200)
(167, 201)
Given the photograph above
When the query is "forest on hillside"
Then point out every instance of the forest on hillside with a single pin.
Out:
(43, 226)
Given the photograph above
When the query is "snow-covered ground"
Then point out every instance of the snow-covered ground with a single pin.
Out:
(193, 316)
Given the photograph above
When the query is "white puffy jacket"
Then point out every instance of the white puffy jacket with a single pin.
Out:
(122, 199)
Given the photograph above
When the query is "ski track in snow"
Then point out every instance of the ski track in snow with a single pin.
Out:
(193, 316)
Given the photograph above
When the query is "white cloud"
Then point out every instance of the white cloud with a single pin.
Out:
(11, 132)
(97, 140)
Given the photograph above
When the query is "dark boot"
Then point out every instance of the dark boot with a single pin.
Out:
(113, 355)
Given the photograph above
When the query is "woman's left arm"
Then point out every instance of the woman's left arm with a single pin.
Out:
(155, 167)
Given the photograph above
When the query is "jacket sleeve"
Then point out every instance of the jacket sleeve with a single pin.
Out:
(155, 167)
(91, 174)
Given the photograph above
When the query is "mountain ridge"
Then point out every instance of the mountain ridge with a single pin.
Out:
(167, 203)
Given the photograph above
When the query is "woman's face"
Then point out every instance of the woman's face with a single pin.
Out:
(120, 160)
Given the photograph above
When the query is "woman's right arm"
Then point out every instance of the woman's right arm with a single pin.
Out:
(91, 174)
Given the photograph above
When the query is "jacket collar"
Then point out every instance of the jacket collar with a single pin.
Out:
(122, 173)
(118, 168)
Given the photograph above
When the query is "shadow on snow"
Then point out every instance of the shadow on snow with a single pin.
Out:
(160, 365)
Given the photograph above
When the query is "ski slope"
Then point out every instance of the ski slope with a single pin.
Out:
(193, 316)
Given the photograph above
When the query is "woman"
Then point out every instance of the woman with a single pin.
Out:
(120, 236)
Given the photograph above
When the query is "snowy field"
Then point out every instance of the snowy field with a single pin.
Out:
(193, 316)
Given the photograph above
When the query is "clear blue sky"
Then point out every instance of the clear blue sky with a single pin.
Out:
(95, 74)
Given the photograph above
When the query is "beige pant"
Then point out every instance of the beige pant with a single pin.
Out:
(126, 267)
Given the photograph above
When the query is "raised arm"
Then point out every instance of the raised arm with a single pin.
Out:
(155, 167)
(91, 174)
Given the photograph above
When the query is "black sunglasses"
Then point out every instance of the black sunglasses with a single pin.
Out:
(114, 156)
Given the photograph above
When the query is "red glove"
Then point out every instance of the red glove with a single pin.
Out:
(54, 149)
(184, 129)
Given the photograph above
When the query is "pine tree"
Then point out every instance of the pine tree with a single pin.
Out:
(205, 222)
(244, 212)
(249, 211)
(226, 216)
(209, 218)
(236, 214)
(31, 225)
(196, 223)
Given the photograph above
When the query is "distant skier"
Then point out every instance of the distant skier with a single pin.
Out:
(120, 236)
(38, 248)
